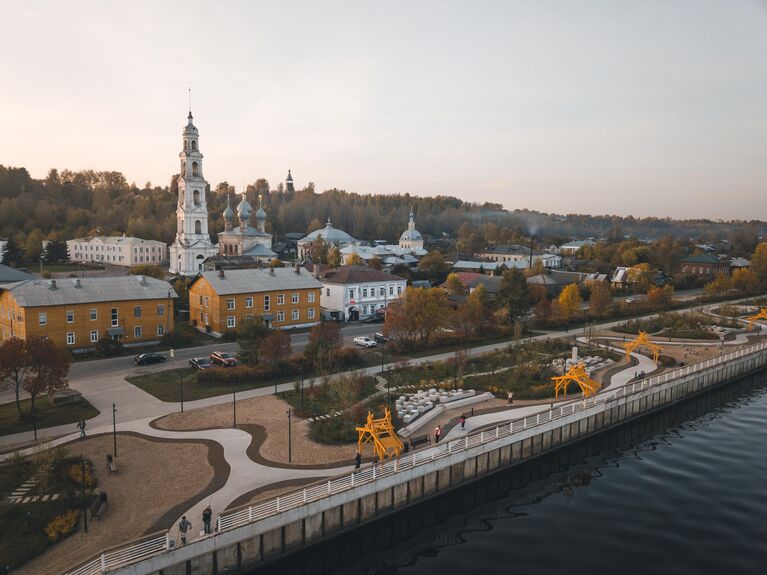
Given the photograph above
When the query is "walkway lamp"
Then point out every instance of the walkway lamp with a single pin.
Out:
(290, 442)
(114, 427)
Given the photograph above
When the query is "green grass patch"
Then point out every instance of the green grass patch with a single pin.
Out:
(47, 415)
(319, 399)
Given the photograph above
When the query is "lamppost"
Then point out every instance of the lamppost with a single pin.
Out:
(302, 389)
(82, 486)
(290, 440)
(181, 390)
(234, 408)
(114, 427)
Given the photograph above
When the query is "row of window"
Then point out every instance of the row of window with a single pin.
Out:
(138, 333)
(231, 303)
(372, 291)
(100, 248)
(295, 315)
(42, 317)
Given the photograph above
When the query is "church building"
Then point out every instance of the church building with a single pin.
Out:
(192, 246)
(244, 239)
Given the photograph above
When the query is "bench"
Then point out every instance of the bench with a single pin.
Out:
(418, 440)
(99, 506)
(111, 465)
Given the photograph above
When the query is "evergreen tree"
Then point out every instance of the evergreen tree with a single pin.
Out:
(13, 253)
(514, 295)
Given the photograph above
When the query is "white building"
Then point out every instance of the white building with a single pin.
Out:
(192, 246)
(411, 238)
(357, 292)
(329, 235)
(407, 252)
(572, 248)
(3, 243)
(117, 250)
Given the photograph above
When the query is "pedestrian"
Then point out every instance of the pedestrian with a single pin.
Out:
(207, 514)
(183, 527)
(510, 398)
(357, 461)
(437, 433)
(463, 421)
(81, 427)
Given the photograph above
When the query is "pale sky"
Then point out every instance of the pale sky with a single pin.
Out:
(622, 107)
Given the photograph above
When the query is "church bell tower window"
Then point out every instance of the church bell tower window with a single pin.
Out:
(195, 169)
(196, 197)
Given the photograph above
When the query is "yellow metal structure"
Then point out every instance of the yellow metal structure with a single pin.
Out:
(754, 318)
(380, 432)
(576, 374)
(643, 339)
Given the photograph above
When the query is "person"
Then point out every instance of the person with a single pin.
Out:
(183, 527)
(437, 433)
(463, 421)
(510, 398)
(81, 427)
(357, 461)
(207, 514)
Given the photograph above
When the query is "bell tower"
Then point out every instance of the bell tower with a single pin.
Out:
(192, 245)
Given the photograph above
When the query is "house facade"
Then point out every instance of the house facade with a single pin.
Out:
(219, 301)
(117, 251)
(351, 293)
(77, 313)
(704, 265)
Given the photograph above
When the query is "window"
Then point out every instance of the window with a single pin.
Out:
(391, 290)
(364, 292)
(249, 301)
(137, 332)
(280, 298)
(200, 300)
(206, 301)
(115, 322)
(70, 338)
(399, 289)
(230, 303)
(310, 313)
(310, 297)
(195, 169)
(160, 310)
(137, 311)
(280, 316)
(197, 226)
(294, 314)
(42, 318)
(327, 292)
(294, 297)
(196, 197)
(382, 291)
(160, 330)
(70, 316)
(94, 336)
(351, 293)
(267, 303)
(230, 321)
(194, 144)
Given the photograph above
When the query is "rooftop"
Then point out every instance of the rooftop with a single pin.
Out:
(357, 274)
(258, 280)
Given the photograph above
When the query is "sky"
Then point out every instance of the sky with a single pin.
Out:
(655, 107)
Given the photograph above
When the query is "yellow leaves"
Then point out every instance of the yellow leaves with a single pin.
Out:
(569, 301)
(62, 525)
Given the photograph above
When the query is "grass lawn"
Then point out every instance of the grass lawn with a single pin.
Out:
(57, 268)
(319, 400)
(47, 415)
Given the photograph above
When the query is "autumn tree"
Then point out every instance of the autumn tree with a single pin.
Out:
(324, 346)
(250, 336)
(375, 263)
(417, 314)
(334, 257)
(600, 298)
(48, 367)
(745, 281)
(434, 266)
(147, 270)
(759, 264)
(319, 250)
(275, 347)
(14, 366)
(641, 275)
(660, 296)
(354, 260)
(472, 316)
(454, 286)
(720, 285)
(514, 295)
(569, 301)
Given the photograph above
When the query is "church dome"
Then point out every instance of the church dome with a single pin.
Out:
(243, 209)
(411, 235)
(260, 213)
(330, 234)
(228, 212)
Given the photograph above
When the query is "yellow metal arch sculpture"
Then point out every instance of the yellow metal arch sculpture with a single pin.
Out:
(380, 432)
(576, 374)
(642, 339)
(756, 317)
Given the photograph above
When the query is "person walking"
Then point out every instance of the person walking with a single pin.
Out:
(357, 461)
(81, 427)
(437, 433)
(510, 398)
(463, 421)
(207, 514)
(183, 527)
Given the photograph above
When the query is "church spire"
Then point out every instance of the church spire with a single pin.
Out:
(228, 214)
(289, 182)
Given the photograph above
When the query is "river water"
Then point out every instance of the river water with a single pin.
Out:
(680, 492)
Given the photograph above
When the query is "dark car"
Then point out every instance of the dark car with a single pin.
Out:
(223, 358)
(200, 363)
(146, 358)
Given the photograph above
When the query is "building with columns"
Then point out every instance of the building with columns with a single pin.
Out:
(192, 246)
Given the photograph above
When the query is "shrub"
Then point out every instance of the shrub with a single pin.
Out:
(349, 356)
(62, 525)
(108, 347)
(75, 474)
(176, 339)
(232, 375)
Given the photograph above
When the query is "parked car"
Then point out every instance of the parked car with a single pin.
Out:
(364, 341)
(381, 338)
(223, 358)
(631, 300)
(146, 358)
(200, 363)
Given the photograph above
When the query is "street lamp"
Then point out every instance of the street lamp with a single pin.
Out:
(290, 440)
(234, 408)
(302, 389)
(114, 427)
(181, 389)
(82, 486)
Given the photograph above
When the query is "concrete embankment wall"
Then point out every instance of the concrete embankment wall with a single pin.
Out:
(244, 548)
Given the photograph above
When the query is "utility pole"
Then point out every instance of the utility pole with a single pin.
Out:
(82, 485)
(234, 408)
(114, 427)
(181, 389)
(302, 389)
(290, 440)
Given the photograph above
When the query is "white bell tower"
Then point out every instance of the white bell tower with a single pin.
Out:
(192, 245)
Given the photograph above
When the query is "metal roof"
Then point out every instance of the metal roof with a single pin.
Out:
(33, 293)
(258, 280)
(8, 275)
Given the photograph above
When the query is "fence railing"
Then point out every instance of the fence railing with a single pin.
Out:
(277, 505)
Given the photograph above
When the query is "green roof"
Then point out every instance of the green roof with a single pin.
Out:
(701, 259)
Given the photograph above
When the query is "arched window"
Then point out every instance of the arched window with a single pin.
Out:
(186, 144)
(196, 197)
(194, 144)
(195, 169)
(183, 168)
(197, 226)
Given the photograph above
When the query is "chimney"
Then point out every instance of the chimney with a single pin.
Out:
(271, 271)
(77, 283)
(53, 285)
(221, 274)
(141, 280)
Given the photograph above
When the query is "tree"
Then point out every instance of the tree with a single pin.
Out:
(324, 346)
(48, 367)
(354, 260)
(417, 314)
(375, 263)
(744, 280)
(275, 347)
(250, 335)
(434, 266)
(319, 250)
(759, 264)
(473, 314)
(150, 270)
(454, 286)
(720, 285)
(14, 366)
(514, 295)
(334, 257)
(569, 301)
(34, 245)
(55, 252)
(275, 263)
(13, 253)
(599, 299)
(660, 296)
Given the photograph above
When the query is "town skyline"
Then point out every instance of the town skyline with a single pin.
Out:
(657, 112)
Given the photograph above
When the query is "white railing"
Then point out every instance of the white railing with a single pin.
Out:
(252, 513)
